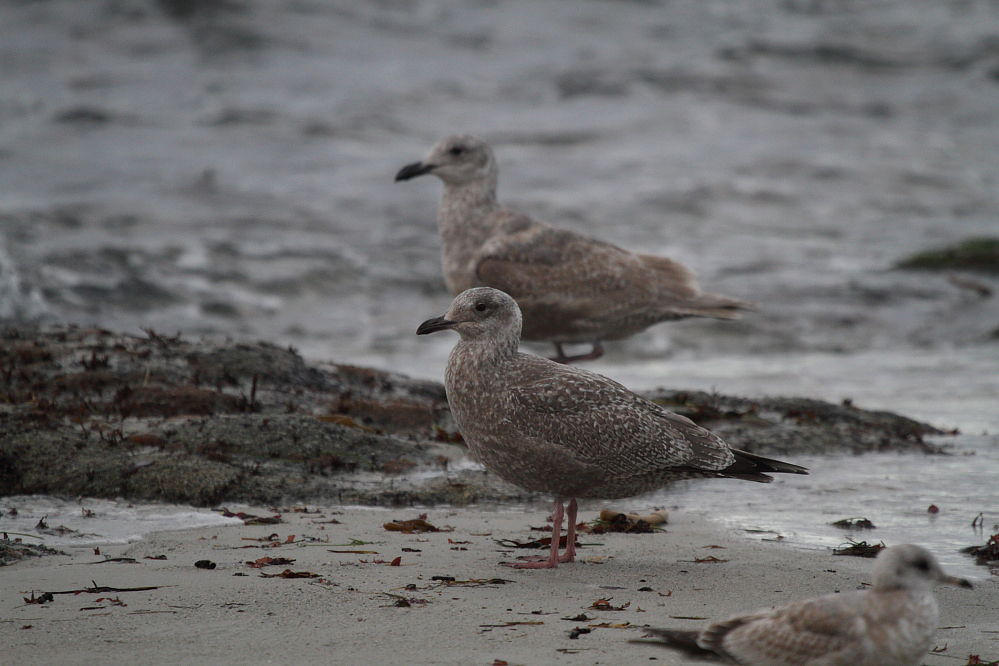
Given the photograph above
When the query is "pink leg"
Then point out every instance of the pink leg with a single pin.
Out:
(553, 559)
(570, 539)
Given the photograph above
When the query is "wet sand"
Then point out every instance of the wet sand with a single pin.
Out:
(356, 612)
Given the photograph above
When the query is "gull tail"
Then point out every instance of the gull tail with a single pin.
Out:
(751, 467)
(676, 638)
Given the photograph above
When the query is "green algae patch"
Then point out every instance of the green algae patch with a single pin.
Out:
(973, 254)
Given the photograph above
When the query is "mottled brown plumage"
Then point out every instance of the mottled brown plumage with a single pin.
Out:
(571, 288)
(564, 431)
(890, 624)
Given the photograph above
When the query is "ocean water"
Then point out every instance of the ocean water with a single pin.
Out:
(95, 522)
(226, 170)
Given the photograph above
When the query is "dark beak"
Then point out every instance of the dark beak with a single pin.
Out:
(434, 325)
(413, 170)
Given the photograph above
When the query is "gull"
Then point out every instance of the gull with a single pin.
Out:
(564, 431)
(890, 624)
(571, 288)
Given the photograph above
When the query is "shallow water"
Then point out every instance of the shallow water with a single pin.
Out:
(93, 522)
(891, 490)
(228, 172)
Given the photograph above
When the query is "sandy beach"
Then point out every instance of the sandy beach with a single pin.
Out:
(210, 287)
(386, 607)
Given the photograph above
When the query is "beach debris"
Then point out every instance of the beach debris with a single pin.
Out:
(510, 624)
(44, 598)
(414, 525)
(270, 561)
(14, 550)
(288, 573)
(120, 560)
(630, 523)
(405, 602)
(543, 543)
(579, 631)
(250, 519)
(155, 557)
(99, 589)
(710, 559)
(271, 540)
(860, 549)
(205, 564)
(605, 605)
(450, 581)
(113, 601)
(933, 508)
(61, 530)
(976, 660)
(979, 520)
(854, 524)
(987, 554)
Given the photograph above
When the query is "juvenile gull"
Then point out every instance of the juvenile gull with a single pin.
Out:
(571, 288)
(567, 432)
(890, 624)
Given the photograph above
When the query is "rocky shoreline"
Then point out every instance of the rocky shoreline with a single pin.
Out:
(96, 413)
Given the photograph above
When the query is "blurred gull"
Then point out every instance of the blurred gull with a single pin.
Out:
(890, 624)
(571, 288)
(567, 432)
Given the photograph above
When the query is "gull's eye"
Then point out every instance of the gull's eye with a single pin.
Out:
(480, 306)
(457, 150)
(923, 564)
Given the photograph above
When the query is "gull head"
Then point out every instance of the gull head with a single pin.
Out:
(456, 159)
(910, 567)
(478, 314)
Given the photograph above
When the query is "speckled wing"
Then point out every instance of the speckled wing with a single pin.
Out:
(602, 423)
(827, 630)
(564, 281)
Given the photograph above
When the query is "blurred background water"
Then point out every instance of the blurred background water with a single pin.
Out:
(225, 169)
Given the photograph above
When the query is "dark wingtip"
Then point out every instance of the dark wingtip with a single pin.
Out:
(434, 325)
(413, 170)
(752, 467)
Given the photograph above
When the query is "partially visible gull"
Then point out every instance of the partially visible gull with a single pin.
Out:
(890, 624)
(571, 288)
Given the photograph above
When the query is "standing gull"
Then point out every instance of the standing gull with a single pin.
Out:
(571, 288)
(890, 624)
(567, 432)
